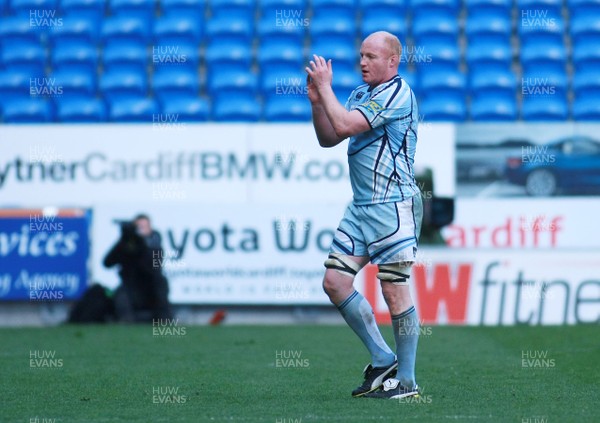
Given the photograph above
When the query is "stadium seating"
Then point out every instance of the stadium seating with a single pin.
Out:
(93, 9)
(383, 19)
(120, 83)
(27, 55)
(125, 54)
(132, 109)
(175, 81)
(540, 108)
(187, 108)
(18, 28)
(126, 27)
(240, 82)
(235, 108)
(144, 9)
(234, 27)
(222, 54)
(280, 53)
(448, 108)
(177, 26)
(287, 109)
(260, 47)
(27, 5)
(14, 83)
(27, 110)
(586, 107)
(497, 108)
(268, 29)
(80, 109)
(75, 82)
(74, 54)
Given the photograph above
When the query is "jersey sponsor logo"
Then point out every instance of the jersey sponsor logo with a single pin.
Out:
(373, 107)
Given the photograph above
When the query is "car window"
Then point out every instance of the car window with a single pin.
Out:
(584, 147)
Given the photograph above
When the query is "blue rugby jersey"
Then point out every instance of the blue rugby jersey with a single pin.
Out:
(381, 159)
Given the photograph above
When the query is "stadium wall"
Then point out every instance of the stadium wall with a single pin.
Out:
(247, 213)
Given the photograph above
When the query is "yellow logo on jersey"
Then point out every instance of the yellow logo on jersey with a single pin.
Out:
(373, 106)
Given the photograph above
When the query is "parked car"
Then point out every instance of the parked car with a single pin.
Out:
(569, 165)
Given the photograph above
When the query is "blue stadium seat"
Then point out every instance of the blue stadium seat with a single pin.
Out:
(545, 78)
(27, 55)
(14, 83)
(586, 107)
(396, 7)
(237, 82)
(493, 82)
(585, 26)
(287, 109)
(411, 80)
(426, 6)
(125, 54)
(436, 22)
(119, 83)
(447, 108)
(80, 109)
(268, 6)
(586, 80)
(489, 52)
(546, 23)
(126, 28)
(195, 8)
(582, 8)
(94, 9)
(280, 53)
(586, 53)
(332, 25)
(230, 27)
(18, 28)
(334, 7)
(27, 110)
(383, 20)
(342, 53)
(187, 108)
(551, 108)
(268, 30)
(179, 54)
(543, 52)
(238, 8)
(496, 108)
(145, 9)
(443, 81)
(27, 5)
(345, 81)
(175, 81)
(74, 54)
(489, 6)
(222, 54)
(75, 82)
(132, 109)
(282, 81)
(488, 22)
(75, 27)
(553, 6)
(239, 108)
(438, 52)
(176, 27)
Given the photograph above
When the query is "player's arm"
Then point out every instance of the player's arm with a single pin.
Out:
(325, 133)
(343, 122)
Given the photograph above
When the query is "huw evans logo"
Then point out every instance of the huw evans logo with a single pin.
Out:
(167, 395)
(290, 359)
(167, 327)
(44, 359)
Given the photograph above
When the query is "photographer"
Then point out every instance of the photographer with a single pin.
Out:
(143, 293)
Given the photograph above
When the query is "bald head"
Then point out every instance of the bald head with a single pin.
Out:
(379, 57)
(388, 40)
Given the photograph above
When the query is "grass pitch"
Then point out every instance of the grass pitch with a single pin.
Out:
(297, 374)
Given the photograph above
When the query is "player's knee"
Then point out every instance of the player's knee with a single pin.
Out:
(340, 273)
(395, 273)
